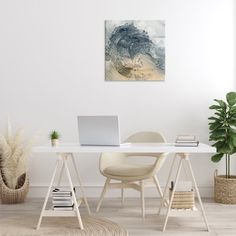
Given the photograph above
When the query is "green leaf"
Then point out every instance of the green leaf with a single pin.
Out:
(232, 131)
(217, 157)
(214, 137)
(221, 103)
(219, 144)
(215, 107)
(232, 113)
(223, 146)
(232, 122)
(219, 132)
(212, 118)
(215, 125)
(216, 121)
(233, 109)
(220, 114)
(231, 146)
(231, 98)
(217, 139)
(226, 148)
(215, 118)
(234, 140)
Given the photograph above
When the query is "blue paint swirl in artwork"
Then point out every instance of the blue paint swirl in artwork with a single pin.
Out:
(130, 49)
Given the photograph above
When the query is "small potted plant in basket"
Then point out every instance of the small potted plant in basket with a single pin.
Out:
(54, 136)
(222, 127)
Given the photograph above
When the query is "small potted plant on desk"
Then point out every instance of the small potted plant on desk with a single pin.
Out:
(54, 136)
(223, 132)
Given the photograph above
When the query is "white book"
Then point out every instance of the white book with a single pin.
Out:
(63, 208)
(65, 189)
(186, 144)
(184, 141)
(63, 202)
(186, 137)
(61, 197)
(61, 192)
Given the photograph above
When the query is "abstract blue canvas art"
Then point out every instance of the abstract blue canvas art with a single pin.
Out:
(134, 50)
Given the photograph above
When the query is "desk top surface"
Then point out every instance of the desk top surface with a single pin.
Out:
(125, 148)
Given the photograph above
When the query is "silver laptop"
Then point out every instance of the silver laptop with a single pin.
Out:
(99, 130)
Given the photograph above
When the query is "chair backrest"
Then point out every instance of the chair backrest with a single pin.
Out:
(145, 137)
(108, 159)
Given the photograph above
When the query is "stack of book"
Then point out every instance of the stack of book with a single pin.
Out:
(62, 200)
(186, 141)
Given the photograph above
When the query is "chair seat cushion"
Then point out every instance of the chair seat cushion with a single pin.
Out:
(128, 170)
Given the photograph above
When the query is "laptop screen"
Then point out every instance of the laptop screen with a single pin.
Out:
(99, 130)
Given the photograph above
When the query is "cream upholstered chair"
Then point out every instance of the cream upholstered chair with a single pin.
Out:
(116, 166)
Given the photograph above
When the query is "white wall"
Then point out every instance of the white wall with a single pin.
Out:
(52, 69)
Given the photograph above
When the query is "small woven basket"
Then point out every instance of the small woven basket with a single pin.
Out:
(225, 189)
(18, 195)
(182, 199)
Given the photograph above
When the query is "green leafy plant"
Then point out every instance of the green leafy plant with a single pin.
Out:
(222, 127)
(54, 135)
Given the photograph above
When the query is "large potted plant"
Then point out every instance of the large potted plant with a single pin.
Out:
(222, 127)
(14, 152)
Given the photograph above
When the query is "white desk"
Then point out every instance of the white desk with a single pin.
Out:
(66, 151)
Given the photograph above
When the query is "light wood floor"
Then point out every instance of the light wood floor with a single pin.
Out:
(222, 218)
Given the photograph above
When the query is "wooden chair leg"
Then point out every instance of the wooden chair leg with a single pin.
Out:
(142, 198)
(155, 179)
(103, 193)
(122, 195)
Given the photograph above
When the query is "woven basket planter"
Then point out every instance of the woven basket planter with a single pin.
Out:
(182, 199)
(18, 195)
(225, 189)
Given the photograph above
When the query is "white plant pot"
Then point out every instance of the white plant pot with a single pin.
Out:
(54, 142)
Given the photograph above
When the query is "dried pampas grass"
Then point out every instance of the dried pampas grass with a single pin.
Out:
(14, 152)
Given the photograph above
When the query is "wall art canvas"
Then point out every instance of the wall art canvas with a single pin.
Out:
(135, 50)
